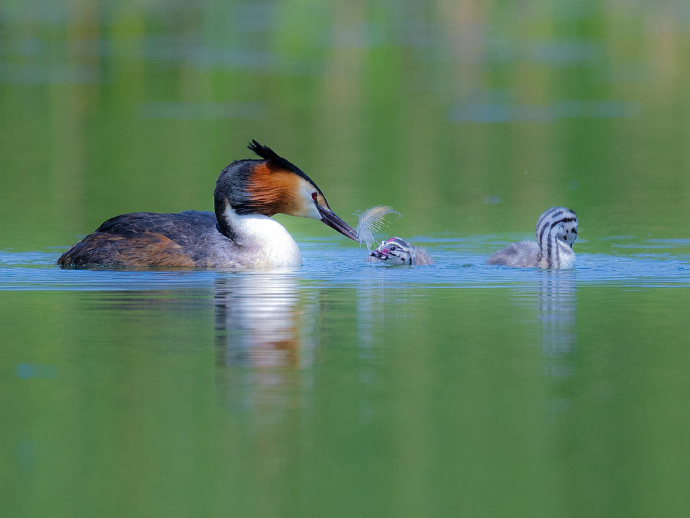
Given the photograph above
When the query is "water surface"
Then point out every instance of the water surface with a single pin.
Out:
(424, 390)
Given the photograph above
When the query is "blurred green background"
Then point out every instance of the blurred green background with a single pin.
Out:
(344, 389)
(468, 117)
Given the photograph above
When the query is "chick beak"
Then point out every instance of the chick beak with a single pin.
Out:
(332, 220)
(380, 254)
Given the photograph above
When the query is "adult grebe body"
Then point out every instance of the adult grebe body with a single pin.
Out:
(241, 233)
(556, 233)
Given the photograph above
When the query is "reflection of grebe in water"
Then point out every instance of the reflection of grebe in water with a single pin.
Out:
(395, 251)
(241, 233)
(558, 317)
(266, 335)
(556, 233)
(263, 321)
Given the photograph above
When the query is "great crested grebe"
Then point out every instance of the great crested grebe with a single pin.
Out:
(241, 233)
(556, 233)
(395, 251)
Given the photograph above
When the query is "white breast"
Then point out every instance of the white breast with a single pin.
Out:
(566, 256)
(265, 242)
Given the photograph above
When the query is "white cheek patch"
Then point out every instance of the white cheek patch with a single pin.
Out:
(309, 209)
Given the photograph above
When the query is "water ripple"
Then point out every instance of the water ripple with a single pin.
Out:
(330, 263)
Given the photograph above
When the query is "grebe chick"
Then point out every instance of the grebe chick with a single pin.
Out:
(556, 233)
(395, 251)
(241, 233)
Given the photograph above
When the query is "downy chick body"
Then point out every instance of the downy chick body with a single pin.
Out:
(556, 233)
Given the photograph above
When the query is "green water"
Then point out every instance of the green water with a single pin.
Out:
(345, 388)
(267, 396)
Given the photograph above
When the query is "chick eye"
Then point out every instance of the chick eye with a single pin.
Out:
(314, 195)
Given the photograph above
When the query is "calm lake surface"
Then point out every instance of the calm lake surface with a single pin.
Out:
(346, 388)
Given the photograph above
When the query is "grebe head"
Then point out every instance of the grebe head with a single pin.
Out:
(394, 251)
(273, 185)
(558, 222)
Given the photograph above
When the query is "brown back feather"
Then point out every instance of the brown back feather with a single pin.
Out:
(141, 251)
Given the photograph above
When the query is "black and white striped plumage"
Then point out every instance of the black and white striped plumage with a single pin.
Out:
(556, 233)
(395, 251)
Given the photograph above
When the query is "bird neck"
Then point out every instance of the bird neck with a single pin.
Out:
(555, 253)
(225, 217)
(264, 238)
(413, 255)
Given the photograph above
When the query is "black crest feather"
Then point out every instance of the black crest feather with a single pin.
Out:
(274, 158)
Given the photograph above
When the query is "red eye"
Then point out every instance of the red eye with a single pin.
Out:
(314, 196)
